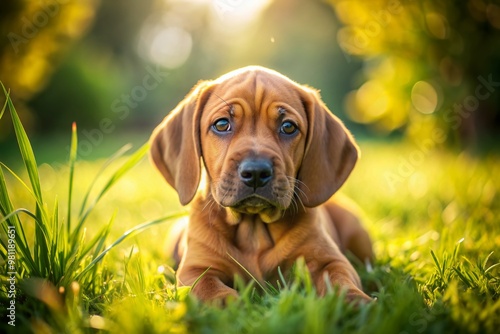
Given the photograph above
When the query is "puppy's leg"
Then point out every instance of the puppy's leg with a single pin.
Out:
(351, 234)
(330, 267)
(175, 242)
(210, 286)
(341, 273)
(212, 289)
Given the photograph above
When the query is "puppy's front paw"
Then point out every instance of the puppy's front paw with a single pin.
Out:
(229, 298)
(358, 297)
(211, 290)
(222, 298)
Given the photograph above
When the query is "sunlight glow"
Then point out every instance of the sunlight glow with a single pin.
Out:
(237, 13)
(170, 46)
(167, 36)
(368, 103)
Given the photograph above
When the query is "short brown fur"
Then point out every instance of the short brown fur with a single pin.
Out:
(260, 228)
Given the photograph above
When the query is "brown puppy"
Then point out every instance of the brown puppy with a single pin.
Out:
(271, 155)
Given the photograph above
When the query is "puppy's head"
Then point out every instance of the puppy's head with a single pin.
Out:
(267, 143)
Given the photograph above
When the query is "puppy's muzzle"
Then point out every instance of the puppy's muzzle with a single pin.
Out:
(255, 173)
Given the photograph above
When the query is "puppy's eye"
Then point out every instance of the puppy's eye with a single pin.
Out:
(288, 128)
(222, 125)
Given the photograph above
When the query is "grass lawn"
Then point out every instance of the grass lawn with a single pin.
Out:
(432, 215)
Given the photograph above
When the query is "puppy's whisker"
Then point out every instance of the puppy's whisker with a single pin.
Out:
(295, 206)
(296, 182)
(297, 191)
(209, 203)
(300, 193)
(231, 108)
(298, 199)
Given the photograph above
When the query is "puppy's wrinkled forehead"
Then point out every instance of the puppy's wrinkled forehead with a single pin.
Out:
(257, 87)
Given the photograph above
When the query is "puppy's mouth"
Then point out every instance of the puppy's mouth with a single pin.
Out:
(267, 210)
(253, 204)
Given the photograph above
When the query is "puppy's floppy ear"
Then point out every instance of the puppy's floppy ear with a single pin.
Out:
(175, 144)
(330, 152)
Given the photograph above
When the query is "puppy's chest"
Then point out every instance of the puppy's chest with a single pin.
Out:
(253, 246)
(253, 237)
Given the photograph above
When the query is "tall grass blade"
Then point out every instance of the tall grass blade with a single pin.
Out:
(30, 191)
(108, 162)
(125, 269)
(16, 212)
(248, 273)
(25, 148)
(72, 159)
(58, 242)
(485, 262)
(493, 266)
(131, 162)
(436, 261)
(99, 239)
(464, 279)
(7, 97)
(6, 208)
(126, 235)
(457, 248)
(21, 242)
(199, 278)
(41, 247)
(42, 240)
(74, 261)
(282, 278)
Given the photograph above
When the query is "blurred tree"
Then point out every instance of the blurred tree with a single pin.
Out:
(101, 78)
(430, 67)
(35, 36)
(98, 69)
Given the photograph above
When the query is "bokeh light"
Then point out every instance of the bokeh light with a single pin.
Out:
(424, 97)
(438, 53)
(167, 46)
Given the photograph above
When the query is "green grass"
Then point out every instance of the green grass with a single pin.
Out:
(432, 216)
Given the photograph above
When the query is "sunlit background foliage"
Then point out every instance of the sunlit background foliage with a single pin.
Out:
(97, 72)
(387, 66)
(422, 64)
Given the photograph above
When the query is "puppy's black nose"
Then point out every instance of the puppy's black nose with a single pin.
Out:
(255, 173)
